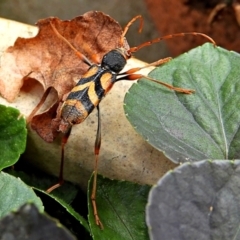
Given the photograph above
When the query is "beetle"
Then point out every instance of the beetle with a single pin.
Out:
(87, 94)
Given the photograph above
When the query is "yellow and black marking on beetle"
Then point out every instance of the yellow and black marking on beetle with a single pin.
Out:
(95, 84)
(90, 89)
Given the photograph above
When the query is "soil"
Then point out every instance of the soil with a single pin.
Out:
(171, 16)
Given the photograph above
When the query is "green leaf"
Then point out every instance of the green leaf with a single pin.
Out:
(198, 200)
(28, 223)
(14, 193)
(42, 181)
(68, 208)
(13, 134)
(63, 195)
(204, 125)
(121, 207)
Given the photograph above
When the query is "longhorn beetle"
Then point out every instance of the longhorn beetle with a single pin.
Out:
(95, 84)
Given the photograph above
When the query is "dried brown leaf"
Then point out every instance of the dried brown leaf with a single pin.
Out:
(42, 124)
(49, 60)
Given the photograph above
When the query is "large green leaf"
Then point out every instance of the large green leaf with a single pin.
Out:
(204, 125)
(198, 200)
(121, 208)
(13, 134)
(14, 193)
